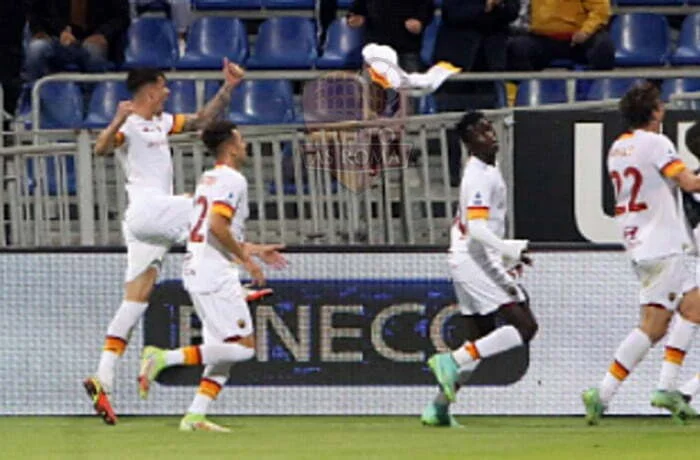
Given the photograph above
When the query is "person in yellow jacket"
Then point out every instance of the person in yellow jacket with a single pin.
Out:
(564, 29)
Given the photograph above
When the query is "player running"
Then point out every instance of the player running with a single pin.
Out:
(647, 175)
(480, 260)
(211, 276)
(155, 218)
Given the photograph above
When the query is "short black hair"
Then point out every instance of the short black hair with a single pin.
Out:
(216, 133)
(138, 78)
(467, 123)
(639, 104)
(692, 139)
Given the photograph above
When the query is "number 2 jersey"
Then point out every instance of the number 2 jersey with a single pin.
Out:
(208, 265)
(648, 208)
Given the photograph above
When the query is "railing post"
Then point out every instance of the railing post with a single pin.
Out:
(86, 198)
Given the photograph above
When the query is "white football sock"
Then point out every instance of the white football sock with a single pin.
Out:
(680, 336)
(213, 380)
(502, 339)
(630, 353)
(692, 386)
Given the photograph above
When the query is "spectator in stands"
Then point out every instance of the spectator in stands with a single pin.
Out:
(84, 35)
(12, 20)
(396, 23)
(575, 29)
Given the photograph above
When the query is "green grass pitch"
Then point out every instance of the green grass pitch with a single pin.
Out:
(484, 438)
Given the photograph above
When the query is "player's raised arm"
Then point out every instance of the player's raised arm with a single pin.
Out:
(110, 137)
(687, 180)
(233, 74)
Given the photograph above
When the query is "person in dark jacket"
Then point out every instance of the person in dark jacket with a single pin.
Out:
(473, 35)
(12, 20)
(396, 23)
(84, 35)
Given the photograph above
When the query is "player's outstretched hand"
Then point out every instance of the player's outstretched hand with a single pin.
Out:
(526, 259)
(233, 73)
(255, 272)
(270, 255)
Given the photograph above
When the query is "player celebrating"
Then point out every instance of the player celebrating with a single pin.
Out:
(481, 277)
(646, 173)
(155, 218)
(212, 278)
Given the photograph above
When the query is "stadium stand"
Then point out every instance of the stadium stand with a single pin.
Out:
(426, 53)
(531, 92)
(609, 88)
(343, 47)
(215, 5)
(212, 38)
(152, 43)
(641, 39)
(103, 103)
(183, 97)
(61, 106)
(688, 50)
(284, 43)
(262, 102)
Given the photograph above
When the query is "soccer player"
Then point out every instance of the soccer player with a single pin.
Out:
(480, 261)
(647, 173)
(211, 275)
(154, 218)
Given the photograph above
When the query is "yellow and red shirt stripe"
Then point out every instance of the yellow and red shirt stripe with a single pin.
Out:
(673, 168)
(477, 212)
(178, 124)
(222, 208)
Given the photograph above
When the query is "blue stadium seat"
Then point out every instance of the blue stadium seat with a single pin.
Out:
(343, 47)
(609, 88)
(331, 100)
(679, 85)
(429, 37)
(289, 4)
(103, 103)
(533, 92)
(152, 43)
(344, 4)
(284, 43)
(426, 105)
(51, 177)
(259, 102)
(688, 50)
(641, 39)
(61, 106)
(226, 4)
(212, 38)
(183, 97)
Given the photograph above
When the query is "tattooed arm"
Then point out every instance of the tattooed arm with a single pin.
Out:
(213, 109)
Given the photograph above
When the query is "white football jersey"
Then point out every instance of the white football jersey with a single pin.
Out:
(208, 265)
(144, 153)
(648, 207)
(482, 195)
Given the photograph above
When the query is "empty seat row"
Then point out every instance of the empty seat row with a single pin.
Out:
(531, 93)
(282, 43)
(253, 102)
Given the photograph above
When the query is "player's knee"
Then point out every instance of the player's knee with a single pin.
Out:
(527, 329)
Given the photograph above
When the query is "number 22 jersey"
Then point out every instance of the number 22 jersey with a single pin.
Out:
(208, 265)
(648, 210)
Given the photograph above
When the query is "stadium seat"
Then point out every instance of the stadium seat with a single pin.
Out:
(259, 102)
(343, 47)
(677, 86)
(344, 4)
(641, 39)
(609, 88)
(534, 92)
(429, 37)
(688, 50)
(183, 97)
(152, 43)
(426, 105)
(61, 106)
(103, 103)
(51, 177)
(212, 38)
(284, 43)
(226, 4)
(289, 4)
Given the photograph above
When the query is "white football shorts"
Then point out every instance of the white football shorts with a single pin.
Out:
(159, 219)
(664, 280)
(482, 287)
(224, 313)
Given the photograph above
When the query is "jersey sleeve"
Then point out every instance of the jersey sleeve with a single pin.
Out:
(227, 196)
(477, 198)
(122, 136)
(666, 159)
(177, 123)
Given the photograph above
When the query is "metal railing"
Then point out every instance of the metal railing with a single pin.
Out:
(69, 197)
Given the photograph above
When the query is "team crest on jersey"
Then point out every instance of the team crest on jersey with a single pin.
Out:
(241, 323)
(672, 296)
(477, 199)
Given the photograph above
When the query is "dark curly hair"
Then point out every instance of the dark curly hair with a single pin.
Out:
(216, 133)
(639, 104)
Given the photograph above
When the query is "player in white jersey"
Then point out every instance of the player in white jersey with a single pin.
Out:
(481, 263)
(215, 248)
(648, 175)
(155, 218)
